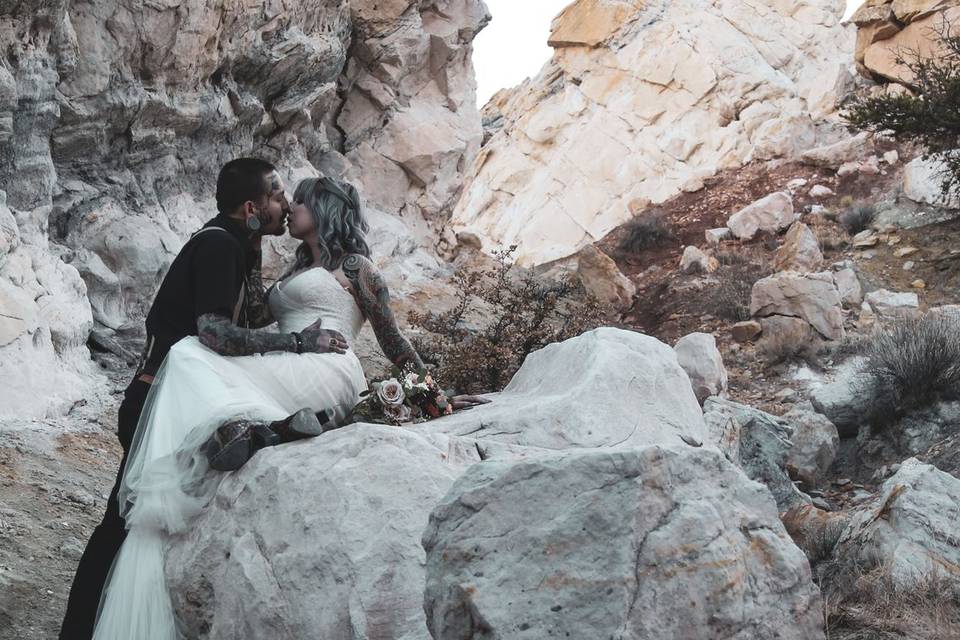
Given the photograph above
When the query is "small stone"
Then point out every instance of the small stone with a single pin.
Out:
(866, 238)
(893, 241)
(746, 331)
(786, 395)
(908, 265)
(842, 482)
(820, 191)
(716, 236)
(820, 503)
(848, 168)
(903, 252)
(891, 157)
(817, 209)
(918, 284)
(871, 166)
(796, 183)
(696, 261)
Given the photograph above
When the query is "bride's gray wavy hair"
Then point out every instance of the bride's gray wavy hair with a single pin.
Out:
(341, 226)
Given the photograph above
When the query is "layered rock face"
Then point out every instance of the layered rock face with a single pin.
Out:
(888, 27)
(116, 115)
(643, 100)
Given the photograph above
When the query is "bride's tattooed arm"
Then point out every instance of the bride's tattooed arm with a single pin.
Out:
(220, 334)
(373, 297)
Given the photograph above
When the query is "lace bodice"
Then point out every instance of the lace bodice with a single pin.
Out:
(300, 300)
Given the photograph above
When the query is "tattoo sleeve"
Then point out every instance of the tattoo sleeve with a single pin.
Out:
(220, 334)
(258, 311)
(373, 297)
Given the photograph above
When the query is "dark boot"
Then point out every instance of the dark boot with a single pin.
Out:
(233, 443)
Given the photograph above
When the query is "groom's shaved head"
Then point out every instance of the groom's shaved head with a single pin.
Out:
(241, 180)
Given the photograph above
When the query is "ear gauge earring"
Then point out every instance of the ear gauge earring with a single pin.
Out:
(253, 223)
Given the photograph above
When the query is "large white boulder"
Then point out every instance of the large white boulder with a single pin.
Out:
(658, 542)
(698, 355)
(891, 305)
(922, 180)
(813, 447)
(845, 398)
(759, 443)
(833, 155)
(605, 388)
(318, 539)
(771, 214)
(323, 535)
(812, 297)
(911, 529)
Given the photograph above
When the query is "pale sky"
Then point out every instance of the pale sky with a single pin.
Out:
(514, 45)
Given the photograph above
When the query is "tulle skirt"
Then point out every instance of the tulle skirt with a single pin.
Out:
(167, 481)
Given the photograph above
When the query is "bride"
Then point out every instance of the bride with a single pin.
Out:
(208, 412)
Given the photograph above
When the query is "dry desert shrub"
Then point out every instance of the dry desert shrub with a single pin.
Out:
(646, 231)
(857, 218)
(912, 363)
(866, 604)
(502, 314)
(729, 298)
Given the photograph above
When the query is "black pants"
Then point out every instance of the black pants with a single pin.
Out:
(107, 537)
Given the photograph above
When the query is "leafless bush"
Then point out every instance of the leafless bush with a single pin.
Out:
(913, 363)
(864, 603)
(501, 316)
(729, 298)
(857, 218)
(646, 231)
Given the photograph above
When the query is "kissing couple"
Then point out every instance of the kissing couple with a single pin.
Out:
(215, 384)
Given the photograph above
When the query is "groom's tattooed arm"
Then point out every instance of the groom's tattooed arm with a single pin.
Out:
(258, 311)
(373, 297)
(220, 334)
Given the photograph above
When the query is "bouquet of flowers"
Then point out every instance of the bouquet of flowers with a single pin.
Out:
(409, 396)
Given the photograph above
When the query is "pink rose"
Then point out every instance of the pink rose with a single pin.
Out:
(400, 413)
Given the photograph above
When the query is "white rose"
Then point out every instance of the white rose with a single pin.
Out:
(391, 393)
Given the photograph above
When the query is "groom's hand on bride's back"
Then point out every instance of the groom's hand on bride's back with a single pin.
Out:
(316, 339)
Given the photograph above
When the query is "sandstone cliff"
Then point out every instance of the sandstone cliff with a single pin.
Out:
(643, 100)
(115, 116)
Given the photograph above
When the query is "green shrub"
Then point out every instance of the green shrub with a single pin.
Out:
(929, 117)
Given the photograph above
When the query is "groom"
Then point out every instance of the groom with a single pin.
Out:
(212, 290)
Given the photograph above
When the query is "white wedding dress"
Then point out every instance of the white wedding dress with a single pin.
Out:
(167, 481)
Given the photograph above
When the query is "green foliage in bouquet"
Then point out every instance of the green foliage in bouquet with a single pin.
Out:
(501, 316)
(408, 396)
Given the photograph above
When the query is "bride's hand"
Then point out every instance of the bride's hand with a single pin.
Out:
(467, 402)
(319, 340)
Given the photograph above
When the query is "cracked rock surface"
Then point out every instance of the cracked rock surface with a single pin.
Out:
(657, 542)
